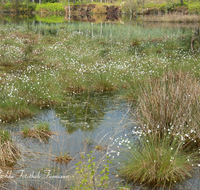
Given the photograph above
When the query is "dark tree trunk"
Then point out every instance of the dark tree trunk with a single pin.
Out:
(181, 1)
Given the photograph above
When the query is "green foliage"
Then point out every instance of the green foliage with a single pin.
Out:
(20, 6)
(30, 6)
(194, 8)
(87, 178)
(43, 127)
(25, 130)
(160, 7)
(50, 7)
(49, 1)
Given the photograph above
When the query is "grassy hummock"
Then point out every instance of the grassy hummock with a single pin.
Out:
(156, 162)
(41, 132)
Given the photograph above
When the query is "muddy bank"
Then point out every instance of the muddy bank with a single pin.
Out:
(92, 9)
(97, 18)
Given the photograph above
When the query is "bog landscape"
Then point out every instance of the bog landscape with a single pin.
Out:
(99, 95)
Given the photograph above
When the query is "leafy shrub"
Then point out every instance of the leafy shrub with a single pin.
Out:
(194, 8)
(51, 7)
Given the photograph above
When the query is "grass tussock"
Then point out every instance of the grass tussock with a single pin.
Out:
(170, 103)
(41, 132)
(167, 136)
(156, 162)
(9, 153)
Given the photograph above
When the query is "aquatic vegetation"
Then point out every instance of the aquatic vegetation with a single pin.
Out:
(41, 132)
(101, 148)
(88, 141)
(43, 127)
(63, 158)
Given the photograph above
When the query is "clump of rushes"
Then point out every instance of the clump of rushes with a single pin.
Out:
(63, 158)
(156, 161)
(170, 103)
(8, 150)
(40, 132)
(101, 148)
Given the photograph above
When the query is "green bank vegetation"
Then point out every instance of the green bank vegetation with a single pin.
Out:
(128, 6)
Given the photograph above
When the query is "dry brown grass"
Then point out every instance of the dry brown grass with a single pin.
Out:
(101, 148)
(174, 17)
(9, 153)
(41, 135)
(170, 102)
(63, 158)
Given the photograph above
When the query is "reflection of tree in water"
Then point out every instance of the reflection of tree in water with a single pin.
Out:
(84, 111)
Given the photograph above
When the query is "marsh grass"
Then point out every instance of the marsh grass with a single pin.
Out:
(156, 162)
(41, 132)
(170, 103)
(9, 152)
(77, 58)
(167, 136)
(9, 111)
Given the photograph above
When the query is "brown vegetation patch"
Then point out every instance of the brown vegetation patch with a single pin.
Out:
(173, 17)
(8, 154)
(41, 135)
(63, 159)
(101, 148)
(172, 100)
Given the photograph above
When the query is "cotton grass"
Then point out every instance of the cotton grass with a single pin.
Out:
(170, 102)
(156, 162)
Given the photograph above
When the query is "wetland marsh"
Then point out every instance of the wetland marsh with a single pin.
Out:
(123, 93)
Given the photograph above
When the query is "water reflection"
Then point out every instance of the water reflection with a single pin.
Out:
(84, 111)
(83, 122)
